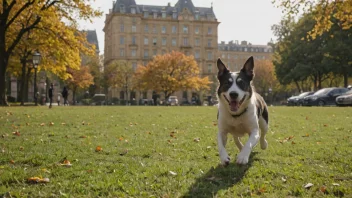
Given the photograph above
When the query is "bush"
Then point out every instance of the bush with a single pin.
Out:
(11, 99)
(86, 101)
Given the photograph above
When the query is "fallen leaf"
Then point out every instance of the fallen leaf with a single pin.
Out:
(21, 148)
(306, 117)
(335, 184)
(172, 173)
(306, 135)
(42, 124)
(283, 179)
(82, 136)
(323, 189)
(261, 190)
(293, 142)
(16, 133)
(318, 142)
(51, 124)
(98, 148)
(63, 123)
(196, 139)
(66, 163)
(308, 185)
(325, 125)
(121, 138)
(38, 180)
(12, 162)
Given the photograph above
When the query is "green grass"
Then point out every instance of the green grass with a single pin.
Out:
(139, 152)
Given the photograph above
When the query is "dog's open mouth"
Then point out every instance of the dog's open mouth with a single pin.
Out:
(234, 104)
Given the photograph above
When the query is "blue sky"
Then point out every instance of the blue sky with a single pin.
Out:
(249, 20)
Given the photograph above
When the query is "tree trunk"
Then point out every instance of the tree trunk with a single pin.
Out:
(74, 96)
(23, 81)
(298, 87)
(319, 80)
(3, 65)
(345, 77)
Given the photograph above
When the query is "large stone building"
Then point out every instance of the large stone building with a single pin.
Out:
(135, 33)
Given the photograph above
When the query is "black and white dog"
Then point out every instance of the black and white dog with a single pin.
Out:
(241, 110)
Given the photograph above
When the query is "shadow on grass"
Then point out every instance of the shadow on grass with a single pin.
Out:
(219, 178)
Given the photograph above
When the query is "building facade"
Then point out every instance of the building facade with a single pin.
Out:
(235, 54)
(135, 33)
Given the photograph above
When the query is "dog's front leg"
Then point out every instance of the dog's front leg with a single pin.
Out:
(224, 157)
(243, 156)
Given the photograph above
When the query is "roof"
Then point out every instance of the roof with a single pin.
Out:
(126, 5)
(92, 38)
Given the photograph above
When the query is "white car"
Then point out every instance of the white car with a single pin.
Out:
(345, 99)
(173, 101)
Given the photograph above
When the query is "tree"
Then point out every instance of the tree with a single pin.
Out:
(14, 14)
(79, 79)
(120, 74)
(324, 13)
(172, 72)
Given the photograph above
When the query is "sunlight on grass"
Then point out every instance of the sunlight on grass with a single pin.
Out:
(170, 152)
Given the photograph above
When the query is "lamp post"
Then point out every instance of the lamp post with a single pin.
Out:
(36, 60)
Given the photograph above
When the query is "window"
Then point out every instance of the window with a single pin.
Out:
(223, 55)
(196, 16)
(174, 29)
(146, 14)
(133, 52)
(197, 54)
(185, 41)
(134, 66)
(146, 53)
(122, 95)
(122, 8)
(197, 42)
(196, 30)
(122, 52)
(146, 41)
(163, 42)
(174, 15)
(245, 49)
(122, 40)
(154, 29)
(210, 56)
(185, 29)
(133, 10)
(154, 41)
(210, 30)
(209, 42)
(134, 28)
(163, 52)
(163, 15)
(187, 53)
(155, 15)
(146, 28)
(163, 29)
(210, 68)
(235, 57)
(122, 27)
(134, 40)
(154, 52)
(173, 41)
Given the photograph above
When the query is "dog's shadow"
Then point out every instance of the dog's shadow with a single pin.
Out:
(219, 178)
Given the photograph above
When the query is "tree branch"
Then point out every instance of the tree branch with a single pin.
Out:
(18, 12)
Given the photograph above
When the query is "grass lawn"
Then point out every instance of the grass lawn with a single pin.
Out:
(170, 152)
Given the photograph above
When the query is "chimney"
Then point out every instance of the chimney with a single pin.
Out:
(169, 4)
(243, 42)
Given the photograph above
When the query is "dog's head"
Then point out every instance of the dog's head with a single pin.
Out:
(235, 87)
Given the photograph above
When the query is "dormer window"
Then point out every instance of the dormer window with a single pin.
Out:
(133, 10)
(122, 8)
(146, 14)
(196, 16)
(163, 15)
(155, 15)
(174, 15)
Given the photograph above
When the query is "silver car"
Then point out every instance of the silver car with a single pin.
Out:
(345, 99)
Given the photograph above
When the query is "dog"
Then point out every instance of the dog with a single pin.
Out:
(240, 111)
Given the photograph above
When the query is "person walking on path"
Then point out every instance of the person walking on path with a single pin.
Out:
(51, 91)
(58, 99)
(65, 95)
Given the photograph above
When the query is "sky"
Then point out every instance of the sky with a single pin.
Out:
(249, 20)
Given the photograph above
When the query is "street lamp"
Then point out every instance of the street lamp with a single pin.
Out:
(36, 60)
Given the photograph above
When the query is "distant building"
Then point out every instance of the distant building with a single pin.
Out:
(135, 33)
(235, 54)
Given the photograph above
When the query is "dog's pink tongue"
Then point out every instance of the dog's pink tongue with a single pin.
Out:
(234, 105)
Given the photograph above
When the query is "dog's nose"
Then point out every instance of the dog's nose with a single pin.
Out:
(233, 95)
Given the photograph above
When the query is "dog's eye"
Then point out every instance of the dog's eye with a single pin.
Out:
(240, 83)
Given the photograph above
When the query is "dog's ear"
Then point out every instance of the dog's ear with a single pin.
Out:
(221, 67)
(248, 68)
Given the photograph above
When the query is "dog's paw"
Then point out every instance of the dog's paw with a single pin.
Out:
(263, 144)
(242, 157)
(225, 161)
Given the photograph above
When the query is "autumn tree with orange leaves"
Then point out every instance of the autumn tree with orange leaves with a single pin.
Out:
(172, 72)
(81, 78)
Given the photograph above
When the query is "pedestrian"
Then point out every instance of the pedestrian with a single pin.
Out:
(58, 99)
(65, 95)
(51, 91)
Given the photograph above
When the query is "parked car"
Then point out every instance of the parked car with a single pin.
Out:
(345, 99)
(98, 99)
(173, 101)
(326, 96)
(298, 100)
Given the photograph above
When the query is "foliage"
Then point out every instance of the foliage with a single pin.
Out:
(120, 74)
(80, 79)
(172, 72)
(141, 145)
(43, 19)
(324, 13)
